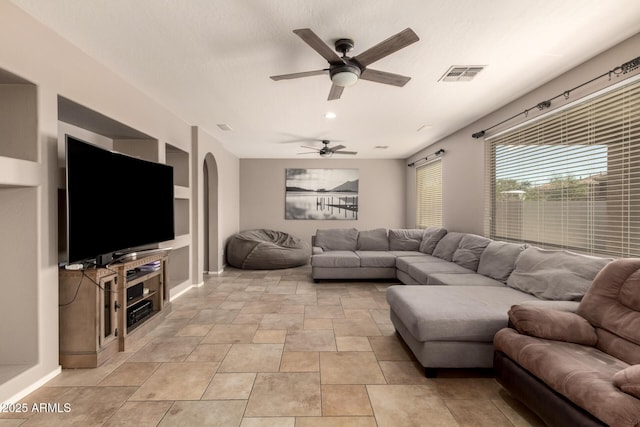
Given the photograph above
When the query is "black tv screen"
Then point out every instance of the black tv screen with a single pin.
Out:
(114, 202)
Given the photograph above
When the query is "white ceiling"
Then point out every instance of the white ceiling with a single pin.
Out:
(209, 61)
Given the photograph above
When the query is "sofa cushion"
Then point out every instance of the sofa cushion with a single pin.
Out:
(554, 274)
(430, 239)
(628, 380)
(499, 259)
(461, 279)
(469, 251)
(373, 240)
(552, 324)
(448, 245)
(376, 259)
(402, 263)
(337, 239)
(453, 313)
(582, 374)
(405, 239)
(422, 271)
(403, 254)
(336, 259)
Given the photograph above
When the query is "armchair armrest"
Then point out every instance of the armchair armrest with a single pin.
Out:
(628, 380)
(552, 324)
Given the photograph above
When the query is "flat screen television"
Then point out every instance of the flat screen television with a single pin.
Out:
(114, 202)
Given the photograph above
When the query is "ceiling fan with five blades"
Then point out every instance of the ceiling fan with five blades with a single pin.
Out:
(346, 71)
(327, 151)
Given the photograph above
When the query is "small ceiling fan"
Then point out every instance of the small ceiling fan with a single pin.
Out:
(345, 71)
(327, 151)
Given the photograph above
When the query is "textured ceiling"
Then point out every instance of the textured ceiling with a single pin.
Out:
(209, 61)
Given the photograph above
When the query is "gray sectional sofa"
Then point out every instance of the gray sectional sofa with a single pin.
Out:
(472, 283)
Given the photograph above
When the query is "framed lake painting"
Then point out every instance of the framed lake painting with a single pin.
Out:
(321, 194)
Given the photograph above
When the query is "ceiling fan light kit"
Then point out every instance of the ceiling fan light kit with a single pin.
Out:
(345, 75)
(345, 71)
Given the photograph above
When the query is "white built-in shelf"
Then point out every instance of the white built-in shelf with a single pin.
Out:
(180, 192)
(19, 173)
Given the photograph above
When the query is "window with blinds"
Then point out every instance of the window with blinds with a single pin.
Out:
(572, 179)
(429, 194)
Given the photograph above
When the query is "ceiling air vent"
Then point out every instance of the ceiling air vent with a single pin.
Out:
(461, 73)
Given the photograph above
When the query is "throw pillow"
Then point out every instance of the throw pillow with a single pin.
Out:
(373, 240)
(405, 239)
(430, 239)
(469, 250)
(552, 324)
(628, 380)
(555, 274)
(448, 245)
(499, 258)
(337, 239)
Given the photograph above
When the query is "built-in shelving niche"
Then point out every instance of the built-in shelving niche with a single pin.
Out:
(179, 159)
(18, 118)
(181, 211)
(19, 181)
(178, 266)
(179, 259)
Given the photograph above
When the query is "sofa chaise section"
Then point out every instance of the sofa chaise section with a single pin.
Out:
(453, 326)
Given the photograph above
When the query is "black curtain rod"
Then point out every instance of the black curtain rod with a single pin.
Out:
(438, 153)
(621, 69)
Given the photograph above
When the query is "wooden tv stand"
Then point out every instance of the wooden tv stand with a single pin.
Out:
(107, 309)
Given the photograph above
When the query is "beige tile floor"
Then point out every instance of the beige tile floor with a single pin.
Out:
(272, 348)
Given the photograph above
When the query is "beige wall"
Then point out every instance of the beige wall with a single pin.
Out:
(381, 196)
(463, 171)
(31, 51)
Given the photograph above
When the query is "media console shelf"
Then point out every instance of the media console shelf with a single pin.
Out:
(143, 293)
(106, 310)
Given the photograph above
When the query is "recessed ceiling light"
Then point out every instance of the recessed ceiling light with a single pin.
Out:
(225, 127)
(330, 115)
(423, 127)
(381, 147)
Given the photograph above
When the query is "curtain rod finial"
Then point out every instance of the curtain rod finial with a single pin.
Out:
(478, 135)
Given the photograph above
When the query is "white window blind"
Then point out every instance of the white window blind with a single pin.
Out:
(571, 180)
(429, 194)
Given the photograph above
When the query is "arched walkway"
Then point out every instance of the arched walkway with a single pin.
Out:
(210, 214)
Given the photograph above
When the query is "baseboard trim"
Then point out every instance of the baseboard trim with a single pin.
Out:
(180, 292)
(34, 386)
